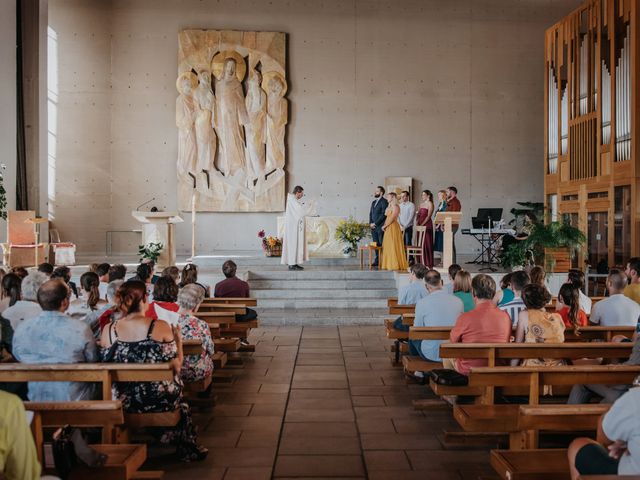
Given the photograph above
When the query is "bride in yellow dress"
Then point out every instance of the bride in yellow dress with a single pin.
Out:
(393, 253)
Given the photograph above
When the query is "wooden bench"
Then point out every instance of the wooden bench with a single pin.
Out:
(401, 309)
(412, 364)
(223, 307)
(219, 318)
(548, 464)
(247, 301)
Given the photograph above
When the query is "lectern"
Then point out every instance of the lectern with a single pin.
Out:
(157, 227)
(448, 219)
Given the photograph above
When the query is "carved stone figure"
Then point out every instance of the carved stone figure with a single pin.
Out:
(185, 118)
(204, 122)
(231, 115)
(256, 104)
(277, 118)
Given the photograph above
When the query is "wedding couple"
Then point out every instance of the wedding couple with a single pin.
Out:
(385, 231)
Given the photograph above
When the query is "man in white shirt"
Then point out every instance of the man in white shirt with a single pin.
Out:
(615, 310)
(618, 442)
(410, 294)
(406, 217)
(27, 307)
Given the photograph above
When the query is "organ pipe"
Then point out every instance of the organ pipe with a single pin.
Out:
(553, 121)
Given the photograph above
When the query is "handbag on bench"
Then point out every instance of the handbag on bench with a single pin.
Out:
(70, 448)
(445, 376)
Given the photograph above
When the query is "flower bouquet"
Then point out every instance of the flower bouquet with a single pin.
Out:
(351, 232)
(272, 246)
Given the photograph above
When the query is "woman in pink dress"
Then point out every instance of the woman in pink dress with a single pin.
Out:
(424, 220)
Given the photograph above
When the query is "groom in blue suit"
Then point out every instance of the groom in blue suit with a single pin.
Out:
(377, 218)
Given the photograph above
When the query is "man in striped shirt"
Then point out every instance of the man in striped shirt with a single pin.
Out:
(518, 281)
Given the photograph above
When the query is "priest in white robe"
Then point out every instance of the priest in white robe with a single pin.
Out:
(294, 244)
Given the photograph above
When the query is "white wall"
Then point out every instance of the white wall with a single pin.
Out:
(8, 101)
(447, 92)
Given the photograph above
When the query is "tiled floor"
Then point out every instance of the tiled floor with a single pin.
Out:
(324, 402)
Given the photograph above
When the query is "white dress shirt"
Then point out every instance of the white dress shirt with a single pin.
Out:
(407, 214)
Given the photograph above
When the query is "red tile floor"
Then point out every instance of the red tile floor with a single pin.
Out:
(324, 402)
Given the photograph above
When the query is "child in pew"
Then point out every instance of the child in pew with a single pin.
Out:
(134, 338)
(568, 307)
(194, 367)
(410, 294)
(617, 448)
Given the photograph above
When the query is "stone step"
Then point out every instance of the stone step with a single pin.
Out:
(290, 303)
(328, 295)
(310, 274)
(373, 284)
(257, 258)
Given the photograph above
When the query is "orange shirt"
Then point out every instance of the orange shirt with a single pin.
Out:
(564, 313)
(484, 324)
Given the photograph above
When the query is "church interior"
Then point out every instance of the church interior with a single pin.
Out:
(320, 239)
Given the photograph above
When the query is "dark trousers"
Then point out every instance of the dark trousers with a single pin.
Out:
(454, 229)
(248, 316)
(377, 236)
(408, 235)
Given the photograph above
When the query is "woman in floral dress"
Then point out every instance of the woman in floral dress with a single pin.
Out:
(137, 339)
(194, 367)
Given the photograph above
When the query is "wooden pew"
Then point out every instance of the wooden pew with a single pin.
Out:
(222, 307)
(392, 301)
(220, 318)
(103, 373)
(548, 464)
(248, 301)
(401, 309)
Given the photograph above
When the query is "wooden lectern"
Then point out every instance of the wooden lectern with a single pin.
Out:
(448, 219)
(157, 227)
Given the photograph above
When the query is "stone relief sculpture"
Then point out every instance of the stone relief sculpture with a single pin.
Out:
(204, 124)
(185, 119)
(256, 104)
(231, 114)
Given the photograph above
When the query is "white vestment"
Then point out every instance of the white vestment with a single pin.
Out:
(294, 244)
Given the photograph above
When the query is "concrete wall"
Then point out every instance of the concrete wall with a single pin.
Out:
(447, 92)
(8, 101)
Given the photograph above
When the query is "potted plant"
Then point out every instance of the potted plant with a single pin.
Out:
(552, 245)
(351, 232)
(150, 251)
(272, 246)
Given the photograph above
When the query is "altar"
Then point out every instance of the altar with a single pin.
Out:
(320, 235)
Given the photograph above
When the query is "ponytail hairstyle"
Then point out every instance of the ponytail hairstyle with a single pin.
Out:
(129, 297)
(89, 282)
(429, 195)
(571, 298)
(189, 274)
(12, 288)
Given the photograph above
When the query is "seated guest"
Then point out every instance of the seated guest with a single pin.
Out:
(453, 270)
(54, 337)
(20, 271)
(144, 273)
(190, 275)
(568, 306)
(517, 283)
(462, 289)
(615, 452)
(27, 307)
(93, 267)
(65, 274)
(89, 306)
(233, 287)
(117, 272)
(576, 278)
(633, 274)
(616, 309)
(18, 454)
(410, 294)
(536, 325)
(484, 324)
(538, 276)
(103, 274)
(194, 367)
(46, 268)
(109, 314)
(505, 294)
(164, 306)
(173, 272)
(438, 309)
(11, 291)
(152, 265)
(135, 338)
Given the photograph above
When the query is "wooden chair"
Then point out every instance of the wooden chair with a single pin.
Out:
(20, 248)
(416, 250)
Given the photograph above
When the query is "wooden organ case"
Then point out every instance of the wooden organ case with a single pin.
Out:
(592, 169)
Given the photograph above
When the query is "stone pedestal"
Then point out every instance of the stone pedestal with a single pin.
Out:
(158, 227)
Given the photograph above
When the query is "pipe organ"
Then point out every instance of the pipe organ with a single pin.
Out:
(592, 169)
